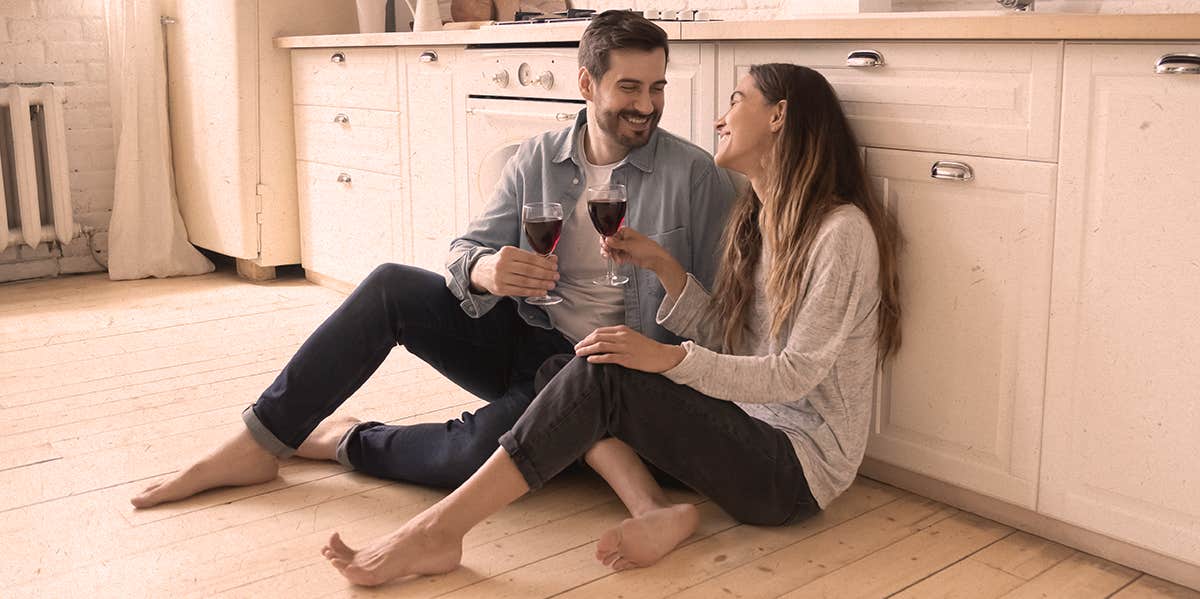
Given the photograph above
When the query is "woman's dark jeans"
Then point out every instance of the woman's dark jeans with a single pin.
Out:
(746, 466)
(495, 357)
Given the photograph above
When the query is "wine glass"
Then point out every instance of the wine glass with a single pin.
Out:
(606, 207)
(543, 223)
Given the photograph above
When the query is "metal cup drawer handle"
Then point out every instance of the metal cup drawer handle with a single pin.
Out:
(337, 58)
(951, 171)
(1178, 64)
(343, 178)
(341, 119)
(864, 59)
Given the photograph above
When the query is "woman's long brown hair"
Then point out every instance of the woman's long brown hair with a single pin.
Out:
(813, 168)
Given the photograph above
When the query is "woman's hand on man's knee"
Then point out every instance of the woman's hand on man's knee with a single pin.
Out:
(626, 347)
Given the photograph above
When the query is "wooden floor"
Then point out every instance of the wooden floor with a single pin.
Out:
(105, 386)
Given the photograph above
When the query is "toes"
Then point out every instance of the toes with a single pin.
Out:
(609, 540)
(336, 544)
(611, 558)
(145, 498)
(623, 564)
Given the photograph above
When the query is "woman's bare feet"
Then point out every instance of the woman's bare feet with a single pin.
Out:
(416, 548)
(322, 443)
(237, 462)
(640, 541)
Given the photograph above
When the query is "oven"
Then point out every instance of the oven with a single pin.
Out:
(514, 93)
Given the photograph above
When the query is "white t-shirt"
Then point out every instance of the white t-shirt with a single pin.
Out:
(585, 306)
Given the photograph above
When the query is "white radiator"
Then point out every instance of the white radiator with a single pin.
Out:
(33, 167)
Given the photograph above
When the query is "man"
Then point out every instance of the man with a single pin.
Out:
(473, 326)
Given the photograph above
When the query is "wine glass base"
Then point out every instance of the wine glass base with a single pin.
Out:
(545, 300)
(613, 281)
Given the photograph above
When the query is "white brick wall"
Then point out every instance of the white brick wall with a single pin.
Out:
(65, 42)
(744, 10)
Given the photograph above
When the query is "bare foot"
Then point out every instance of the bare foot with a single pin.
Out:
(322, 443)
(413, 549)
(641, 541)
(237, 462)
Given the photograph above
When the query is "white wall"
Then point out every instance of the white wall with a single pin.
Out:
(65, 42)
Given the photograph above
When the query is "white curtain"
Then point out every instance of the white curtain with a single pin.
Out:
(146, 235)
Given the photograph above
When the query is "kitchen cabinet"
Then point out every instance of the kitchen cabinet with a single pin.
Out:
(353, 200)
(962, 399)
(1122, 415)
(995, 99)
(346, 217)
(432, 156)
(230, 100)
(961, 402)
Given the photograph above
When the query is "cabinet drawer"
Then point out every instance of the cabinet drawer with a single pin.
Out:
(368, 139)
(345, 226)
(355, 78)
(985, 99)
(962, 399)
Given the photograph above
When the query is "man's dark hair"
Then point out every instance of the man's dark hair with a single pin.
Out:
(617, 30)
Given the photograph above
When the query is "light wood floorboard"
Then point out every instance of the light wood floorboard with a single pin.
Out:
(105, 386)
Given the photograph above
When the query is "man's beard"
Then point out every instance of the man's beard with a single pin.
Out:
(611, 122)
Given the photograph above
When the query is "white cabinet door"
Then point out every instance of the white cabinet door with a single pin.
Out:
(431, 155)
(962, 400)
(213, 85)
(688, 104)
(1123, 383)
(345, 220)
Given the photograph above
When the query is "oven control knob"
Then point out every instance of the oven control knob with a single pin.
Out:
(500, 78)
(546, 80)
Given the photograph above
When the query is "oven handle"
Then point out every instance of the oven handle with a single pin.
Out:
(558, 116)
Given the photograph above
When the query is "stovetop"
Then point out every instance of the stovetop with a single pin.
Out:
(585, 14)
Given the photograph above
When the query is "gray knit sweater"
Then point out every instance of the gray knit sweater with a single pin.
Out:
(815, 382)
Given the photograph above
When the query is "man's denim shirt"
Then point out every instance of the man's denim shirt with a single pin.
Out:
(677, 197)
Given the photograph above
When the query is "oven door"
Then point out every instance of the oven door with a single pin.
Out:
(495, 129)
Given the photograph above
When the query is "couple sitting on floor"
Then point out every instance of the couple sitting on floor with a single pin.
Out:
(756, 394)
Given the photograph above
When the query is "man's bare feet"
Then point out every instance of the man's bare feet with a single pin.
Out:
(322, 443)
(413, 549)
(237, 462)
(641, 541)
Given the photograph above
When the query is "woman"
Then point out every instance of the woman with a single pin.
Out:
(767, 410)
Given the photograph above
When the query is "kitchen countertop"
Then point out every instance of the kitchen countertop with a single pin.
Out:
(969, 25)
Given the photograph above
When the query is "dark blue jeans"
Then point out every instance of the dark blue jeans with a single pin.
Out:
(743, 464)
(494, 357)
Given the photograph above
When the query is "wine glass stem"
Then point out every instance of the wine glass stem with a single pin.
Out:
(611, 275)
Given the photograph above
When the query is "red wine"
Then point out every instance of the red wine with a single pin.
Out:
(542, 233)
(606, 216)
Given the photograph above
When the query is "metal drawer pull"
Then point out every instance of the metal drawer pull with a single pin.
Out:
(859, 59)
(337, 58)
(951, 171)
(343, 178)
(341, 118)
(1178, 64)
(558, 116)
(428, 56)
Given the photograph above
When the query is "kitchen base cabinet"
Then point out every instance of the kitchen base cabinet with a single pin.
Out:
(431, 155)
(1122, 420)
(962, 399)
(341, 211)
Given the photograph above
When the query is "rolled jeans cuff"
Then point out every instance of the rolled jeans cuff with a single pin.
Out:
(342, 455)
(264, 436)
(525, 465)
